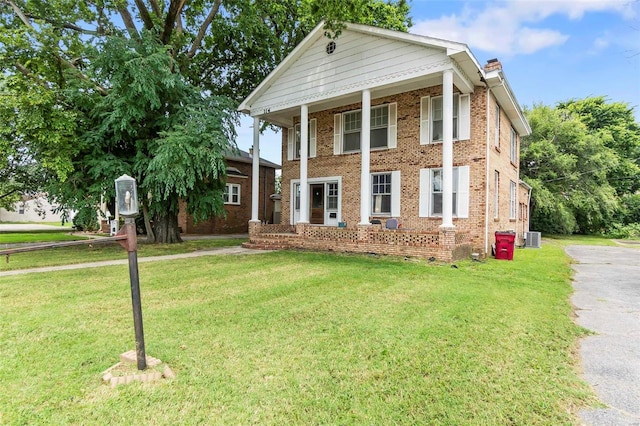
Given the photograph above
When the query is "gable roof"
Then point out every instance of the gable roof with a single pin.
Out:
(385, 61)
(244, 157)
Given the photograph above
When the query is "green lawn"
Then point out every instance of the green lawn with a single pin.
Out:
(101, 251)
(565, 240)
(37, 237)
(298, 338)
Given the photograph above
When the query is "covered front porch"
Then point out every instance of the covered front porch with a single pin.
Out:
(444, 245)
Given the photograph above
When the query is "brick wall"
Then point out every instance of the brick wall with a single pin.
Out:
(445, 245)
(500, 161)
(409, 157)
(237, 216)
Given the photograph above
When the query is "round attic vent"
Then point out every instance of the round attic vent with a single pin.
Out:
(331, 47)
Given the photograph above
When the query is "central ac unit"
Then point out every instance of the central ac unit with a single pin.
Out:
(532, 239)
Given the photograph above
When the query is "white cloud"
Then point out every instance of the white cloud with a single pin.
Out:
(530, 40)
(600, 44)
(515, 27)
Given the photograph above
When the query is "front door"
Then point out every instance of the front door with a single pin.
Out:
(316, 204)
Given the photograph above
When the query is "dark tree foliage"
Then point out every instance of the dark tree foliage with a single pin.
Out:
(94, 89)
(582, 161)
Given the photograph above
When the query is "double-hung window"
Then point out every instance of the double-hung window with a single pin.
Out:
(332, 196)
(379, 126)
(514, 147)
(496, 194)
(432, 117)
(432, 192)
(381, 194)
(232, 194)
(294, 137)
(437, 116)
(298, 145)
(353, 127)
(436, 192)
(512, 200)
(497, 129)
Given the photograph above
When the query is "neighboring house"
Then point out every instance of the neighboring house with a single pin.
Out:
(238, 196)
(385, 129)
(33, 208)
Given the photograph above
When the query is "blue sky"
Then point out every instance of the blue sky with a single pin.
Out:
(550, 50)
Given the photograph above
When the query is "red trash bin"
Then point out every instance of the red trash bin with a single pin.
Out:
(505, 245)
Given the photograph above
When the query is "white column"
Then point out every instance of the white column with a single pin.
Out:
(447, 149)
(255, 175)
(304, 154)
(365, 150)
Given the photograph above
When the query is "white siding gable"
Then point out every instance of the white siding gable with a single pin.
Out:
(359, 61)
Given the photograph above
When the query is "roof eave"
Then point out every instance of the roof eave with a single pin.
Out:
(245, 105)
(500, 87)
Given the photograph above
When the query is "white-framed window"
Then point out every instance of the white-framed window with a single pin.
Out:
(232, 193)
(496, 199)
(497, 129)
(432, 118)
(296, 152)
(512, 199)
(348, 128)
(332, 196)
(436, 192)
(294, 141)
(381, 194)
(352, 125)
(296, 191)
(379, 128)
(431, 192)
(437, 115)
(21, 207)
(513, 147)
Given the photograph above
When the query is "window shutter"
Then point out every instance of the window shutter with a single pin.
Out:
(424, 120)
(392, 137)
(291, 143)
(464, 118)
(312, 138)
(463, 192)
(425, 192)
(395, 193)
(337, 134)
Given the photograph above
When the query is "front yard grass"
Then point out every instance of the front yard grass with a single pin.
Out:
(107, 251)
(36, 237)
(298, 338)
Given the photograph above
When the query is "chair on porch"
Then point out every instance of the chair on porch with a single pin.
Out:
(392, 223)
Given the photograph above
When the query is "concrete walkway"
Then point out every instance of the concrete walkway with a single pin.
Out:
(27, 227)
(607, 301)
(214, 252)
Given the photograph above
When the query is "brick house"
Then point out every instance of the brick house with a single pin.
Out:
(392, 143)
(238, 198)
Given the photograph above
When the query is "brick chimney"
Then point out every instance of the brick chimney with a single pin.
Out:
(492, 64)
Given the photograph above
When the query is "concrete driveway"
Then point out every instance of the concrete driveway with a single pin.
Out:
(607, 301)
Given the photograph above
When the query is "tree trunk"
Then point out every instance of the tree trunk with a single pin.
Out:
(165, 228)
(147, 222)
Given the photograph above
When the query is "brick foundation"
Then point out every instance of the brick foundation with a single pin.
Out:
(446, 245)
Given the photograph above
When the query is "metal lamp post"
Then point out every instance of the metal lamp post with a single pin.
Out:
(127, 205)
